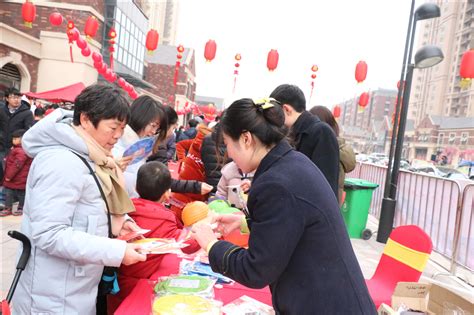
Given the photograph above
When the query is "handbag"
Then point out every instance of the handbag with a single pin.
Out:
(109, 280)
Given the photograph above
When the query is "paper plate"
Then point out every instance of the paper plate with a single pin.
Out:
(181, 304)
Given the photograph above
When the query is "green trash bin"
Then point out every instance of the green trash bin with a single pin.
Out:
(355, 209)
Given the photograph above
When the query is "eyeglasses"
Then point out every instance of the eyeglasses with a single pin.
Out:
(154, 125)
(13, 97)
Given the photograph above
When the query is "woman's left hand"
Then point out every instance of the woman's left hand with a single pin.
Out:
(203, 234)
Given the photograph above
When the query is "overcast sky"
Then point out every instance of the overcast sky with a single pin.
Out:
(334, 35)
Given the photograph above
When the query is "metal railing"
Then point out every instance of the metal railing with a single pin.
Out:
(441, 207)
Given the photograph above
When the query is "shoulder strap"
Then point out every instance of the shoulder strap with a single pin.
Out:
(101, 191)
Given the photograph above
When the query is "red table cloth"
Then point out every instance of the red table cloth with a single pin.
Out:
(140, 299)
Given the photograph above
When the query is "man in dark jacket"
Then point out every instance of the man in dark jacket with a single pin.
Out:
(18, 112)
(308, 134)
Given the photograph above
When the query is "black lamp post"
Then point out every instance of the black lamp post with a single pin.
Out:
(425, 11)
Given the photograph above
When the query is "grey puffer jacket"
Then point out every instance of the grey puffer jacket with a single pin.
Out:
(65, 219)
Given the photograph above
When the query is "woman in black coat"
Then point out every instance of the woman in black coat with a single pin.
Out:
(298, 243)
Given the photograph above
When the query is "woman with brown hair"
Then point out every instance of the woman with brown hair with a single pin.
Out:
(347, 161)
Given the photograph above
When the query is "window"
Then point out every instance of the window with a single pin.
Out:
(464, 137)
(440, 138)
(452, 137)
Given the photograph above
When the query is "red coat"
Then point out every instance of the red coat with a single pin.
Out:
(17, 166)
(161, 222)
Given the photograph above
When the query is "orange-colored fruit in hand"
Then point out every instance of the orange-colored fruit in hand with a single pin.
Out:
(194, 212)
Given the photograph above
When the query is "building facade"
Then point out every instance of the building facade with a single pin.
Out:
(436, 91)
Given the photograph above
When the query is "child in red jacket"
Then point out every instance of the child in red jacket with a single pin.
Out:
(153, 185)
(17, 166)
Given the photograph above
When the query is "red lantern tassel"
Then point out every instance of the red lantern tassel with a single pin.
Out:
(70, 52)
(236, 73)
(312, 88)
(176, 71)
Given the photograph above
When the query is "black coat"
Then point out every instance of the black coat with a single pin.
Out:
(298, 242)
(3, 128)
(317, 140)
(22, 118)
(212, 165)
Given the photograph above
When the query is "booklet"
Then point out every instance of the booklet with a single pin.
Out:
(160, 246)
(140, 149)
(130, 236)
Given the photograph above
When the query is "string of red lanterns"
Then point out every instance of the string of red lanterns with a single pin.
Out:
(237, 58)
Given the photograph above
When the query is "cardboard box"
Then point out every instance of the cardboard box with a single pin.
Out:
(429, 298)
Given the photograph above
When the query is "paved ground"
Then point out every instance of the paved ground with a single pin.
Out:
(368, 253)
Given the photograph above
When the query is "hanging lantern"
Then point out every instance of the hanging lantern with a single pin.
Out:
(86, 52)
(180, 50)
(237, 58)
(364, 99)
(70, 35)
(466, 69)
(314, 69)
(361, 71)
(28, 12)
(81, 43)
(112, 36)
(210, 50)
(151, 40)
(96, 57)
(336, 111)
(91, 27)
(313, 76)
(272, 60)
(55, 19)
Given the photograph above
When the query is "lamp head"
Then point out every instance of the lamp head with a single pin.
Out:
(428, 56)
(427, 11)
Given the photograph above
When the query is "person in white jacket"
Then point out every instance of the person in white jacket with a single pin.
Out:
(64, 216)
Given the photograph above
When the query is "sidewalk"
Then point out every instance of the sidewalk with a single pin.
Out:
(368, 254)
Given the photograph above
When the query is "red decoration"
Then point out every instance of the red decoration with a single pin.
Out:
(121, 82)
(86, 52)
(112, 35)
(180, 50)
(364, 99)
(91, 27)
(272, 59)
(314, 68)
(466, 69)
(81, 43)
(210, 50)
(28, 12)
(56, 19)
(313, 76)
(70, 35)
(152, 38)
(96, 57)
(237, 58)
(336, 111)
(361, 71)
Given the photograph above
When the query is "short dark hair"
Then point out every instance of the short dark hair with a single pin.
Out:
(244, 115)
(145, 110)
(99, 102)
(18, 133)
(12, 91)
(326, 116)
(291, 95)
(153, 180)
(172, 115)
(192, 123)
(39, 111)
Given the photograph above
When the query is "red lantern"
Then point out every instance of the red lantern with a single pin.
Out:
(314, 68)
(364, 99)
(56, 19)
(81, 43)
(272, 59)
(91, 27)
(313, 76)
(28, 12)
(70, 35)
(466, 70)
(180, 49)
(96, 57)
(210, 50)
(361, 71)
(336, 111)
(121, 82)
(112, 35)
(86, 52)
(151, 40)
(238, 57)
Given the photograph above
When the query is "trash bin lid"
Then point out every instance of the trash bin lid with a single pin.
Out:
(357, 183)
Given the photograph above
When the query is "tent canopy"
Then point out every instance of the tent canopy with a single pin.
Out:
(64, 94)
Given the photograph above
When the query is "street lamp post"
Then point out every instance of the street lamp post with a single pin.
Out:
(387, 214)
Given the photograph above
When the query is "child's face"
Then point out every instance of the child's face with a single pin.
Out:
(16, 141)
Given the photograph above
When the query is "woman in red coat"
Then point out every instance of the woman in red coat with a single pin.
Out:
(17, 166)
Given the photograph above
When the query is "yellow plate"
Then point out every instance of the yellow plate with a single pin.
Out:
(181, 304)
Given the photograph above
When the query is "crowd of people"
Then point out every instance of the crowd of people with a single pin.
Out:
(77, 192)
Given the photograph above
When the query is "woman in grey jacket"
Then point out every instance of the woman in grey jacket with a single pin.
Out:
(64, 214)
